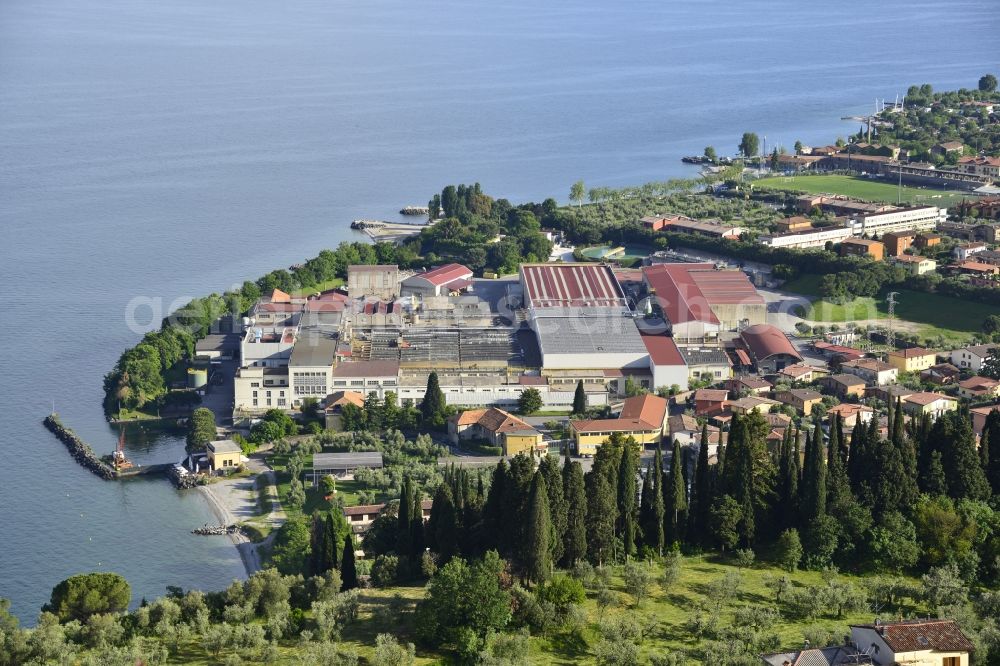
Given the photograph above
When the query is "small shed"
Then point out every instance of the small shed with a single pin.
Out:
(224, 454)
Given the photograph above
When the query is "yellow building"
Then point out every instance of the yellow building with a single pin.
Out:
(224, 454)
(914, 359)
(643, 417)
(497, 427)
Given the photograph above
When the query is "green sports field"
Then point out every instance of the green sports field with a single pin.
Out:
(860, 188)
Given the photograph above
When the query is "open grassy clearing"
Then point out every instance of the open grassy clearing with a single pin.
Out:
(665, 611)
(953, 318)
(319, 287)
(861, 188)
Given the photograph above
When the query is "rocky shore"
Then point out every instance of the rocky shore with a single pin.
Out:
(79, 449)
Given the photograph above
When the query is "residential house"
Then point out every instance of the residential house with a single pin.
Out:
(739, 386)
(686, 431)
(863, 247)
(977, 269)
(642, 417)
(871, 370)
(927, 239)
(800, 372)
(913, 359)
(843, 385)
(941, 374)
(933, 404)
(497, 427)
(948, 147)
(801, 400)
(928, 642)
(890, 393)
(335, 403)
(980, 166)
(850, 414)
(833, 351)
(979, 388)
(966, 250)
(979, 415)
(224, 454)
(361, 517)
(710, 401)
(710, 363)
(752, 404)
(915, 264)
(972, 357)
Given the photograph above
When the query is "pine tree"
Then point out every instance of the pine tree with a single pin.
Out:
(675, 504)
(626, 496)
(539, 533)
(549, 467)
(701, 494)
(574, 490)
(348, 569)
(579, 399)
(432, 407)
(600, 517)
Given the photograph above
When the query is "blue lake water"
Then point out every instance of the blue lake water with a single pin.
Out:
(167, 149)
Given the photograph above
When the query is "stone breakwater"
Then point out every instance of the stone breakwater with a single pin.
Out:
(80, 450)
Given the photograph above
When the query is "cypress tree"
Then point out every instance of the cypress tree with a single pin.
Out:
(403, 544)
(575, 537)
(317, 533)
(433, 405)
(539, 533)
(442, 526)
(518, 489)
(579, 399)
(838, 486)
(813, 491)
(963, 470)
(675, 506)
(348, 569)
(417, 526)
(646, 530)
(600, 517)
(549, 468)
(494, 510)
(626, 496)
(701, 494)
(991, 456)
(659, 509)
(788, 488)
(934, 482)
(330, 545)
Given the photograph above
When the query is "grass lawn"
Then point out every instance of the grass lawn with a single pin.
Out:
(953, 318)
(322, 286)
(860, 188)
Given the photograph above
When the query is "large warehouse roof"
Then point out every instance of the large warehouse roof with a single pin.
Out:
(687, 292)
(590, 335)
(764, 340)
(571, 285)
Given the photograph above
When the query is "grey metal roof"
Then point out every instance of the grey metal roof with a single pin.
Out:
(589, 335)
(351, 460)
(225, 446)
